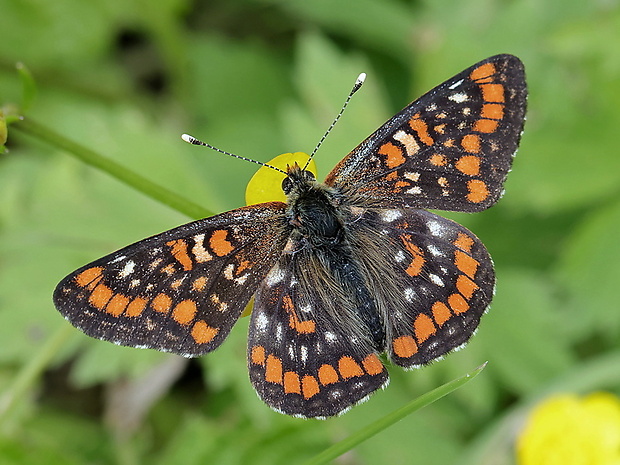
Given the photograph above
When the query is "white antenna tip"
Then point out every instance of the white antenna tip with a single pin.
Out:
(187, 138)
(358, 83)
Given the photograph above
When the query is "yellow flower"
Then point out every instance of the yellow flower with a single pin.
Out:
(569, 430)
(266, 184)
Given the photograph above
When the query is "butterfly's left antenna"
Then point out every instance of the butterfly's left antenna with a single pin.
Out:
(358, 83)
(192, 140)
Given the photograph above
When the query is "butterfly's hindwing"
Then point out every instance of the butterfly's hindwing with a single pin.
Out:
(180, 291)
(446, 282)
(449, 150)
(303, 359)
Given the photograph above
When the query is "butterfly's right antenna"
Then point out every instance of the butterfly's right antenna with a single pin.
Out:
(358, 83)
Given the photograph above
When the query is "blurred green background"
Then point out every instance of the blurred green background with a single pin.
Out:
(262, 77)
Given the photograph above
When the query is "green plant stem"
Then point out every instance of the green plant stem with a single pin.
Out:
(88, 156)
(349, 443)
(28, 374)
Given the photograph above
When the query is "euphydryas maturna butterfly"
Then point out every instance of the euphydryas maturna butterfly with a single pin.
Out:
(344, 270)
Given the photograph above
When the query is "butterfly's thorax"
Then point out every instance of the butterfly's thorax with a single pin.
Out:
(318, 220)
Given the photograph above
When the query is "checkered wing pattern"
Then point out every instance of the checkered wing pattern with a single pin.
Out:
(305, 356)
(180, 291)
(444, 282)
(449, 150)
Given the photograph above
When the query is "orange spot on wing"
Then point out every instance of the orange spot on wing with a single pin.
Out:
(243, 265)
(441, 313)
(303, 327)
(161, 303)
(394, 155)
(471, 143)
(219, 244)
(349, 368)
(423, 327)
(309, 386)
(478, 191)
(486, 125)
(291, 383)
(203, 333)
(417, 262)
(372, 364)
(273, 369)
(327, 375)
(468, 164)
(466, 286)
(464, 242)
(421, 128)
(438, 160)
(404, 346)
(117, 304)
(493, 93)
(457, 303)
(258, 355)
(492, 110)
(100, 296)
(184, 312)
(89, 278)
(199, 283)
(135, 307)
(179, 251)
(486, 70)
(465, 263)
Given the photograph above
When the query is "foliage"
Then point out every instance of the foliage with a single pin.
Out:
(259, 78)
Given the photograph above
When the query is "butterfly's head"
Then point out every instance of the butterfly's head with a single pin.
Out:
(297, 180)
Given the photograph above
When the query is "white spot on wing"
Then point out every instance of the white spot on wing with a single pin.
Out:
(390, 215)
(456, 84)
(434, 250)
(435, 228)
(410, 143)
(201, 254)
(127, 269)
(261, 322)
(228, 272)
(459, 97)
(413, 176)
(275, 276)
(436, 280)
(410, 294)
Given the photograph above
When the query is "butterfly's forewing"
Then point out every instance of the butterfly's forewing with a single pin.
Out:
(305, 360)
(180, 291)
(449, 150)
(445, 283)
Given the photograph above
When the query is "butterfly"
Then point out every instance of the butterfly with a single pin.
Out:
(343, 271)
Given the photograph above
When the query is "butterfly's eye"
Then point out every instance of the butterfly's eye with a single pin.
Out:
(287, 185)
(308, 176)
